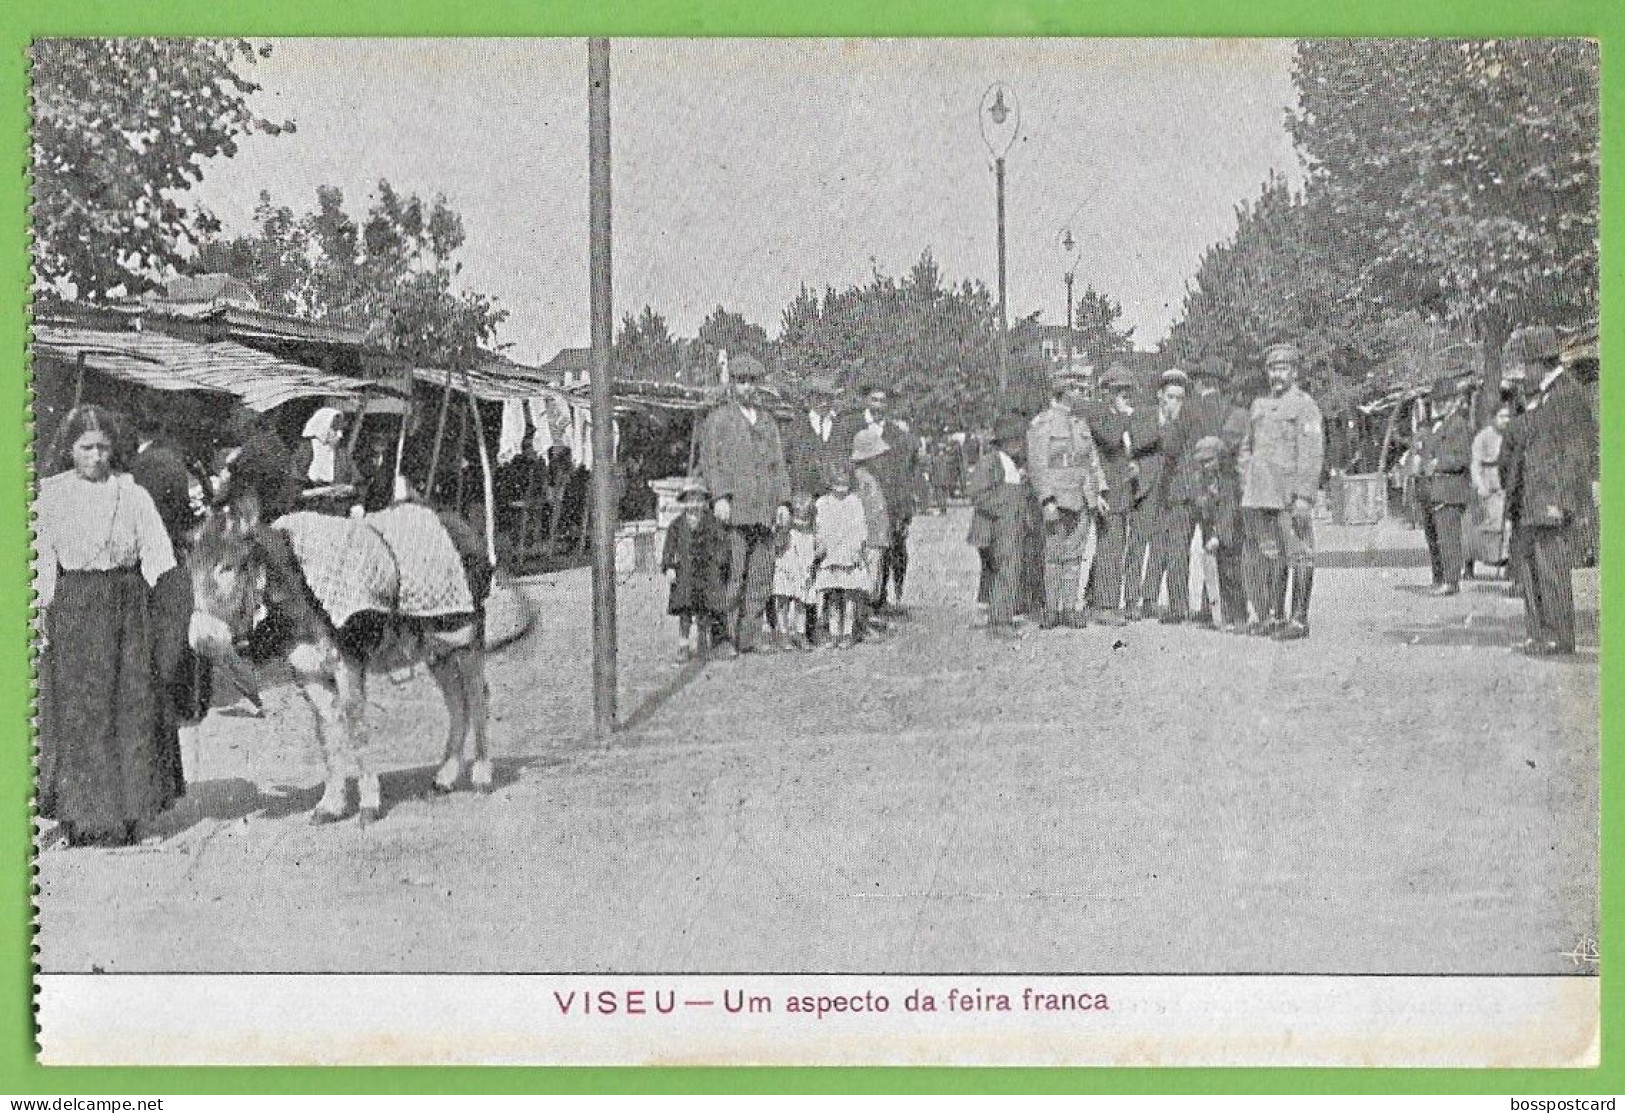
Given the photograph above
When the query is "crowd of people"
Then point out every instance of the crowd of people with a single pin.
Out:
(1096, 509)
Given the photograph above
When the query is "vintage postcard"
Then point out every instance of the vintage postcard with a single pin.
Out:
(986, 552)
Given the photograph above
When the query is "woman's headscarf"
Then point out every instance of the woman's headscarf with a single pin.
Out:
(321, 452)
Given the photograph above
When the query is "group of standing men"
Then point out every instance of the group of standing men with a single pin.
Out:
(752, 468)
(1145, 480)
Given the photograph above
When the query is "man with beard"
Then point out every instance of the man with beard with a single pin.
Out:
(1281, 457)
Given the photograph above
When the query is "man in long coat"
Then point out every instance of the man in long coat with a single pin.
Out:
(1281, 458)
(1551, 449)
(741, 460)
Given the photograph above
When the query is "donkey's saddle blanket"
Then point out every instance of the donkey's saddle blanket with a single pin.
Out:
(398, 561)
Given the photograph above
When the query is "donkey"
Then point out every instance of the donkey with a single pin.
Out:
(249, 580)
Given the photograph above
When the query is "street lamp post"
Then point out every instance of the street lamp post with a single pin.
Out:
(999, 117)
(1070, 246)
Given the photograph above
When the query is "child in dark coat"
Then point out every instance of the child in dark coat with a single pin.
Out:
(695, 561)
(1217, 507)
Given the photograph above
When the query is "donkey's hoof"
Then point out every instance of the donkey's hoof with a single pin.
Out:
(368, 816)
(482, 777)
(321, 817)
(445, 780)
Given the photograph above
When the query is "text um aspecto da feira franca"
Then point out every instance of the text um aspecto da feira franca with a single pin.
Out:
(625, 1002)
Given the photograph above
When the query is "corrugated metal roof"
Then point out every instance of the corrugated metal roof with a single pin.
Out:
(160, 362)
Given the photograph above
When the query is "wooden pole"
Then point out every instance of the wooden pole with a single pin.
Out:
(487, 480)
(439, 436)
(603, 411)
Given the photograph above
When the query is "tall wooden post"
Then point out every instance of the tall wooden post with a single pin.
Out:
(603, 404)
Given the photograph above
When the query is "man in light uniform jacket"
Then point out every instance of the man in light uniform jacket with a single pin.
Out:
(1281, 457)
(1064, 469)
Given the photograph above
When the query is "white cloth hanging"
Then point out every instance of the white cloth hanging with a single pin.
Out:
(581, 437)
(511, 437)
(542, 439)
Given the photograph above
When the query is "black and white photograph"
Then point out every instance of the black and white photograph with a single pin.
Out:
(660, 538)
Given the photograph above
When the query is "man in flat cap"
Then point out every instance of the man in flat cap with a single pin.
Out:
(1063, 466)
(1281, 457)
(1206, 409)
(898, 471)
(1001, 505)
(1109, 421)
(1551, 458)
(1170, 502)
(741, 461)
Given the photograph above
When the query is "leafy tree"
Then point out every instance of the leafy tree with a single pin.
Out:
(122, 128)
(645, 348)
(934, 344)
(393, 275)
(727, 331)
(1461, 176)
(1101, 338)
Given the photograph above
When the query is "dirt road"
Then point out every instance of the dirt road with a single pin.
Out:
(1397, 794)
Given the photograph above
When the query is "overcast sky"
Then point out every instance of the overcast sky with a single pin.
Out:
(744, 168)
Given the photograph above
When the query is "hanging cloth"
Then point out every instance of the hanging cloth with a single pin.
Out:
(511, 436)
(321, 452)
(542, 439)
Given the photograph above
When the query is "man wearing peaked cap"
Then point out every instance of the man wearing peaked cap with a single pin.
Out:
(1281, 457)
(1001, 515)
(1063, 466)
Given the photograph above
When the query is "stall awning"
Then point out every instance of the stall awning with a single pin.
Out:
(492, 382)
(150, 359)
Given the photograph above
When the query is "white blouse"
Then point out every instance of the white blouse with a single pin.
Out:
(81, 526)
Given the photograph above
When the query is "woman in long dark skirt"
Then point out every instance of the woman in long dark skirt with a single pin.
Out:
(109, 749)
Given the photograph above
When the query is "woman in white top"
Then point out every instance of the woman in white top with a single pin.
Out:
(109, 755)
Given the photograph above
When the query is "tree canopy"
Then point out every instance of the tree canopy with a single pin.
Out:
(393, 274)
(122, 128)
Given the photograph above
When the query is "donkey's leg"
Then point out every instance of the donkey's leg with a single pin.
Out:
(471, 667)
(321, 696)
(443, 667)
(351, 680)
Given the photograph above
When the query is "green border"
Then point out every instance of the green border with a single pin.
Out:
(21, 22)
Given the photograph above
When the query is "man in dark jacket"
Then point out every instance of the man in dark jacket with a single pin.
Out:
(1145, 428)
(817, 438)
(1551, 450)
(1001, 520)
(741, 460)
(1449, 489)
(1204, 413)
(1171, 502)
(1109, 422)
(261, 486)
(897, 470)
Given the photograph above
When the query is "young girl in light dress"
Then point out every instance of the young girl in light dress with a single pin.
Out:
(793, 575)
(842, 533)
